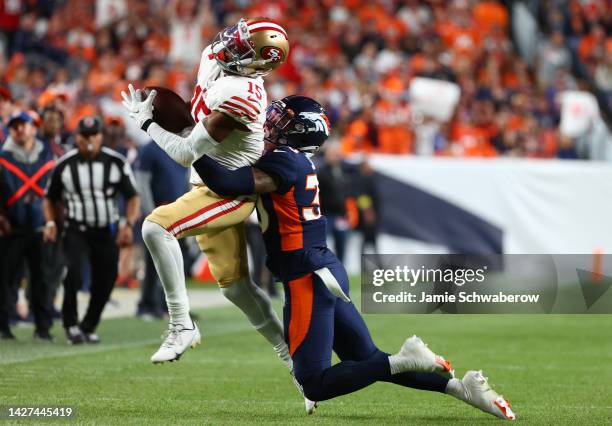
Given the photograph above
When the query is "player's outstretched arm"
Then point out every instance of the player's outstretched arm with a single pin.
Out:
(243, 181)
(203, 138)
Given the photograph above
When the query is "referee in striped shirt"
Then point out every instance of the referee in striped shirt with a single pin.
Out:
(83, 188)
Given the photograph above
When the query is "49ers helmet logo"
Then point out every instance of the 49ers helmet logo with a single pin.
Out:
(271, 52)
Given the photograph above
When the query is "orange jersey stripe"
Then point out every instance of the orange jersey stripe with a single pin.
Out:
(301, 293)
(289, 224)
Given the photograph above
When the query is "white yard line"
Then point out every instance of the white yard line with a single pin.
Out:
(220, 329)
(124, 302)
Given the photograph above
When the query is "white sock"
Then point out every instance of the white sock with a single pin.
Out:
(455, 388)
(168, 259)
(257, 307)
(394, 364)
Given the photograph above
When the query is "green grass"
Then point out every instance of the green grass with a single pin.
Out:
(554, 369)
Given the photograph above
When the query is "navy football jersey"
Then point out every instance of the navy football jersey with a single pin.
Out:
(290, 217)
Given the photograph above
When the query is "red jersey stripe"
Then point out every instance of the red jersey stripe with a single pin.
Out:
(198, 90)
(233, 112)
(301, 294)
(247, 103)
(289, 224)
(240, 107)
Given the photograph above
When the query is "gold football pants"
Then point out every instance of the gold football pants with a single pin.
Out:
(218, 226)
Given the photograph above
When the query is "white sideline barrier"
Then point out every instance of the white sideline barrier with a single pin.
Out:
(540, 206)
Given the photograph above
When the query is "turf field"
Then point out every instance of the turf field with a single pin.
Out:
(554, 369)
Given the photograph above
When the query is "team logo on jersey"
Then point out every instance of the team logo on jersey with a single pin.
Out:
(317, 122)
(271, 52)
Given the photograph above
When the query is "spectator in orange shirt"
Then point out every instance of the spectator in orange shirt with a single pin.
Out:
(588, 45)
(471, 141)
(104, 75)
(490, 14)
(81, 43)
(392, 120)
(360, 135)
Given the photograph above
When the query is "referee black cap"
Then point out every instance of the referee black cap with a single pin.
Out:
(89, 125)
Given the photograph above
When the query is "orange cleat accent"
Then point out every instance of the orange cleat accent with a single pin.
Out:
(505, 407)
(444, 363)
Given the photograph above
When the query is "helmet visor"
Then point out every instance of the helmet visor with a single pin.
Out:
(278, 122)
(234, 41)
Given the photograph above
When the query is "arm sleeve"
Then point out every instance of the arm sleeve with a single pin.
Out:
(54, 186)
(224, 181)
(281, 165)
(127, 184)
(183, 150)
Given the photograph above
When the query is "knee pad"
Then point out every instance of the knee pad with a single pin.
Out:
(152, 230)
(149, 231)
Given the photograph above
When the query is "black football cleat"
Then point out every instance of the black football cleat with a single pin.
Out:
(43, 336)
(91, 338)
(74, 335)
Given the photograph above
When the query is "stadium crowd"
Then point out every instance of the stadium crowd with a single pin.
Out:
(357, 57)
(61, 60)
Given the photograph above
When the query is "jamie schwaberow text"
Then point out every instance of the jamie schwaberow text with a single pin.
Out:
(461, 297)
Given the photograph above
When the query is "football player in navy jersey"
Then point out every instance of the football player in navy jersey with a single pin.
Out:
(318, 314)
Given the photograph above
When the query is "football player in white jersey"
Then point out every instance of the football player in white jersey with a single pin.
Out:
(229, 108)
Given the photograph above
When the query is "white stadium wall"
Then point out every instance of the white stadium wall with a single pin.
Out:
(441, 205)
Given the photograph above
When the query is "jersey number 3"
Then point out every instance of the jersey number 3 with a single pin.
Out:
(312, 212)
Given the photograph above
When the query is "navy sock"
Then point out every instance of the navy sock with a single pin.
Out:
(423, 381)
(350, 376)
(345, 377)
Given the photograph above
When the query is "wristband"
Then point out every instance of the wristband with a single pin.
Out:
(146, 124)
(50, 224)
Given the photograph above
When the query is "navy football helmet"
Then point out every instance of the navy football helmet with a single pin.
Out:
(296, 121)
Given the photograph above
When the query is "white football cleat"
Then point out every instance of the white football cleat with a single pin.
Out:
(479, 394)
(415, 356)
(311, 406)
(176, 341)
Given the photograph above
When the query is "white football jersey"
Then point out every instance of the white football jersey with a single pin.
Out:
(242, 98)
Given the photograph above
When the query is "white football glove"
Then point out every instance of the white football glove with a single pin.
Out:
(141, 111)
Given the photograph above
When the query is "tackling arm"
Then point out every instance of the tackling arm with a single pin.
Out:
(243, 181)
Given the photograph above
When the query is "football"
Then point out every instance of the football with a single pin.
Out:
(170, 111)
